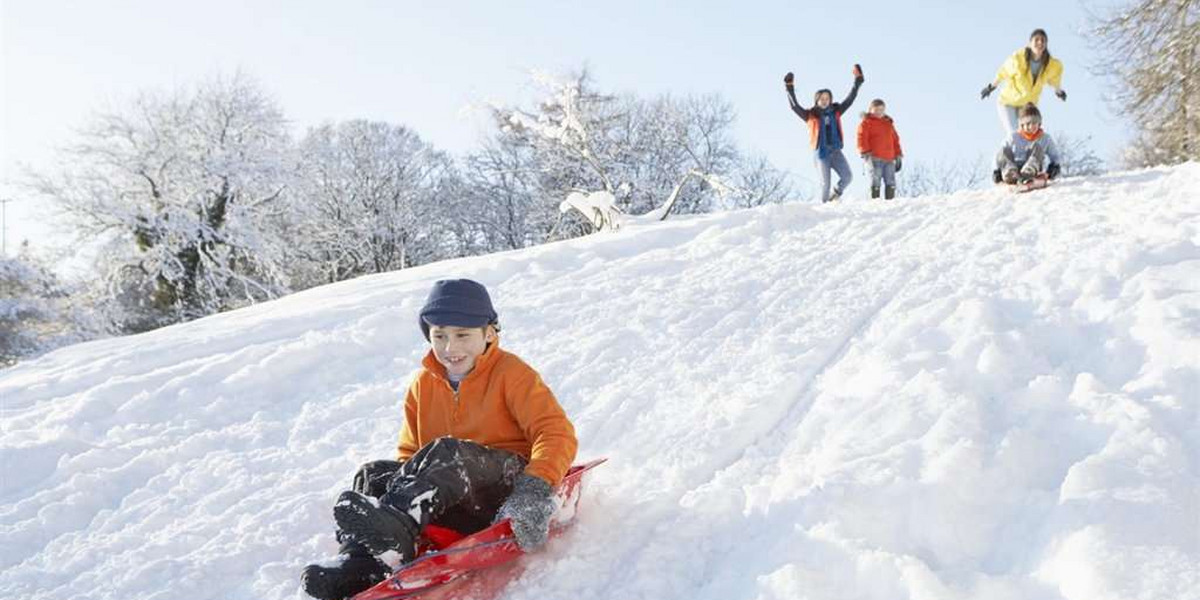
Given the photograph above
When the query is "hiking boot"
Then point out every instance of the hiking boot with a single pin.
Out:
(834, 196)
(377, 526)
(345, 575)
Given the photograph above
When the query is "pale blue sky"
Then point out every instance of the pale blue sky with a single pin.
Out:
(422, 63)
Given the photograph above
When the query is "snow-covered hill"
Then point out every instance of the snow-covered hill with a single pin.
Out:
(981, 396)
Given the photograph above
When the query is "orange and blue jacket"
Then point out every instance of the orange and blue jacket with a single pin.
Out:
(502, 403)
(877, 136)
(813, 117)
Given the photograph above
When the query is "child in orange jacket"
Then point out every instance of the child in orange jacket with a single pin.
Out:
(879, 146)
(483, 440)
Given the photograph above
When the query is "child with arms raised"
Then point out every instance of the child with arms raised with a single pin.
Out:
(824, 121)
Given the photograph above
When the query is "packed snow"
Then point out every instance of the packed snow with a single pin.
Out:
(983, 395)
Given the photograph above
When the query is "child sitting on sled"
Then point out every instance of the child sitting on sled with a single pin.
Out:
(1028, 153)
(483, 440)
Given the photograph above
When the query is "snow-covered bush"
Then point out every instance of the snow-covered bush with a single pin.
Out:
(37, 311)
(187, 193)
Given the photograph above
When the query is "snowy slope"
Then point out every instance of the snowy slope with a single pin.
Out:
(976, 396)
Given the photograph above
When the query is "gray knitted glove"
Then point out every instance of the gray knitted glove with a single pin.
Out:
(529, 507)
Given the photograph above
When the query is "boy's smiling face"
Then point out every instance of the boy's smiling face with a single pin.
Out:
(457, 348)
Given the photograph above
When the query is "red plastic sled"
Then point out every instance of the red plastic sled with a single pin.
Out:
(1036, 183)
(448, 557)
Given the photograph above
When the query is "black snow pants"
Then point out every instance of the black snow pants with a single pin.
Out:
(450, 482)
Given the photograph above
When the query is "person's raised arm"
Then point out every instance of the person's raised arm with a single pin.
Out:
(789, 83)
(844, 105)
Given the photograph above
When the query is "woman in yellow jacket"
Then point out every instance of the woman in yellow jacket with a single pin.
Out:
(1024, 75)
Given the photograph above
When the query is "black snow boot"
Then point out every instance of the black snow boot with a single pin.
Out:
(874, 192)
(996, 177)
(889, 192)
(376, 525)
(349, 573)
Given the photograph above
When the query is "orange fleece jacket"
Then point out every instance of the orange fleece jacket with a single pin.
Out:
(877, 137)
(502, 403)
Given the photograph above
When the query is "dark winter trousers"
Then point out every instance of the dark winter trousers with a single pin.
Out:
(450, 482)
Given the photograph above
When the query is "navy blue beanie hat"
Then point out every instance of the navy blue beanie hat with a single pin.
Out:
(457, 303)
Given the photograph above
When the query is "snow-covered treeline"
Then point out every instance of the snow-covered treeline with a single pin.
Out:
(201, 200)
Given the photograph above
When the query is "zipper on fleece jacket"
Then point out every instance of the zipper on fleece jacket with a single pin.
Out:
(457, 404)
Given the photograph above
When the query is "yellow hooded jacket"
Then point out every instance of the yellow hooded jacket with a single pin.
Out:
(502, 403)
(1019, 86)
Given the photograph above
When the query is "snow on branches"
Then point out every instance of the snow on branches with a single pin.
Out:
(180, 186)
(1150, 49)
(370, 201)
(200, 201)
(644, 153)
(37, 311)
(599, 208)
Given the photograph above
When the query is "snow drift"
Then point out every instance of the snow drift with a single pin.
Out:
(980, 395)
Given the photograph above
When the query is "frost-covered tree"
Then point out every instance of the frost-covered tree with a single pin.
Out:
(1076, 156)
(371, 198)
(757, 182)
(1151, 49)
(668, 138)
(931, 178)
(186, 189)
(498, 204)
(567, 143)
(645, 153)
(36, 311)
